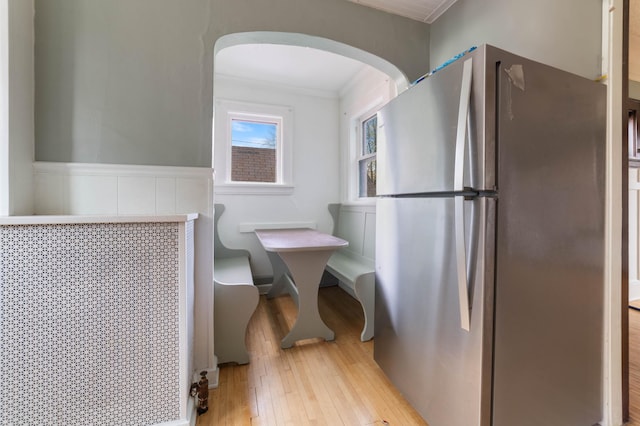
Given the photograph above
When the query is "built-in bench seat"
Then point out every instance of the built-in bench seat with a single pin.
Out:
(354, 266)
(235, 299)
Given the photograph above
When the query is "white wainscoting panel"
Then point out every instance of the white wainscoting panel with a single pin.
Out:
(92, 195)
(136, 195)
(116, 189)
(165, 195)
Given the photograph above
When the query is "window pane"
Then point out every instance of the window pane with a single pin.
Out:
(632, 138)
(368, 177)
(253, 134)
(369, 135)
(253, 151)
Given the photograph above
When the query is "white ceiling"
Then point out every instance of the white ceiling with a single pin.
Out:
(420, 10)
(308, 68)
(294, 66)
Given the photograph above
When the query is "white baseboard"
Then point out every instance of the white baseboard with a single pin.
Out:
(192, 406)
(191, 419)
(192, 415)
(263, 288)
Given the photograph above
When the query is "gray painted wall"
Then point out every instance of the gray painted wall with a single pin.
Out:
(19, 115)
(131, 82)
(565, 34)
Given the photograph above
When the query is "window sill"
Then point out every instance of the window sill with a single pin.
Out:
(253, 189)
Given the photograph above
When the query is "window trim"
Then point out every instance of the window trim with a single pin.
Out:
(355, 151)
(361, 157)
(633, 129)
(226, 110)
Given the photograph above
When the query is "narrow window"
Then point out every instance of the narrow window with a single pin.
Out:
(367, 157)
(634, 148)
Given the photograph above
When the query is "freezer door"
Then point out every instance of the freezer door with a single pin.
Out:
(423, 134)
(550, 247)
(442, 369)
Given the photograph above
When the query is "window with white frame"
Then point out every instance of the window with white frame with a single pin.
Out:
(366, 156)
(361, 105)
(254, 142)
(252, 149)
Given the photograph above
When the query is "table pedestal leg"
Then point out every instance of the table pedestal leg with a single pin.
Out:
(306, 268)
(279, 285)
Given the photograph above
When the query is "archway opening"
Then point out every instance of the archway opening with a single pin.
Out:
(328, 89)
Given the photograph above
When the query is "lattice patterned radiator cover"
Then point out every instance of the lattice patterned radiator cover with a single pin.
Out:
(89, 324)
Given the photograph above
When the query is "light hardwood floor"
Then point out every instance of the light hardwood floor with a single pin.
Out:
(313, 383)
(329, 383)
(634, 368)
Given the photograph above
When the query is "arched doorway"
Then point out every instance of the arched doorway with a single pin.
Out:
(320, 43)
(288, 202)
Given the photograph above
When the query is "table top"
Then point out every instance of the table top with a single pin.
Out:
(299, 239)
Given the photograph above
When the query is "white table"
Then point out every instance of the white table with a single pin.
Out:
(305, 252)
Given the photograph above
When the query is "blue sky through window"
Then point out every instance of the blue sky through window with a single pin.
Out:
(253, 134)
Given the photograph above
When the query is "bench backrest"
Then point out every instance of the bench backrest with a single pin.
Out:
(220, 251)
(356, 224)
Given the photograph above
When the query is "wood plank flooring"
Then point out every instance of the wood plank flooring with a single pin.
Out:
(314, 382)
(634, 368)
(329, 383)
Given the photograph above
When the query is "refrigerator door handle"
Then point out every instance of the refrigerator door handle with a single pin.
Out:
(461, 131)
(461, 136)
(461, 264)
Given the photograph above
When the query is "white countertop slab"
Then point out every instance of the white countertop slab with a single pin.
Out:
(84, 219)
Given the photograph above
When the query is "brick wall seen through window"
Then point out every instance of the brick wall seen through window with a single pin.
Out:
(254, 146)
(253, 164)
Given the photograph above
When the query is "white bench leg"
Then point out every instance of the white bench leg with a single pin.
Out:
(365, 293)
(233, 307)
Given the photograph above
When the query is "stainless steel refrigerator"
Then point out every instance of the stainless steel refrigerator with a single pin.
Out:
(490, 244)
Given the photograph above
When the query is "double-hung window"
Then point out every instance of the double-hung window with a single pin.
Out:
(366, 159)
